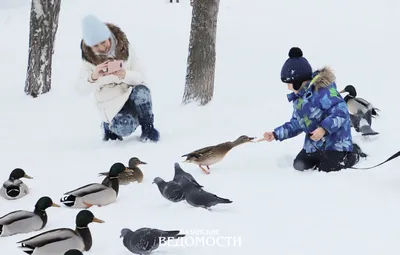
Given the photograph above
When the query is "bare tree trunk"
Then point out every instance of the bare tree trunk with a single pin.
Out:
(201, 60)
(42, 34)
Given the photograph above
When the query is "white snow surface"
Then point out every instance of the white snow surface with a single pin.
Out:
(276, 210)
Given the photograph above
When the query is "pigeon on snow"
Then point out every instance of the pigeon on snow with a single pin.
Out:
(198, 197)
(171, 190)
(365, 128)
(146, 240)
(73, 252)
(181, 175)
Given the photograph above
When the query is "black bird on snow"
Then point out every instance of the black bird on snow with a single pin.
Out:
(73, 252)
(361, 111)
(146, 240)
(171, 190)
(198, 197)
(182, 175)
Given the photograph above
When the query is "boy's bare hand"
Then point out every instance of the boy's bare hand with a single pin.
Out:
(268, 136)
(317, 134)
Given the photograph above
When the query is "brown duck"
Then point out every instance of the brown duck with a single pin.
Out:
(210, 155)
(133, 174)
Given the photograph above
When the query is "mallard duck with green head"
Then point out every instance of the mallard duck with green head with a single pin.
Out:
(361, 111)
(211, 155)
(95, 193)
(21, 221)
(61, 240)
(14, 188)
(133, 174)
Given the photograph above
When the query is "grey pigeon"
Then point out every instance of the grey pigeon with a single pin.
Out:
(145, 240)
(198, 197)
(180, 175)
(365, 128)
(73, 252)
(361, 125)
(171, 190)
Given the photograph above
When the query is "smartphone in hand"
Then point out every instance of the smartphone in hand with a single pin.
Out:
(114, 66)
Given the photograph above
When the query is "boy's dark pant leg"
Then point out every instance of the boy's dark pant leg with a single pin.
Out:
(332, 161)
(304, 160)
(351, 159)
(328, 161)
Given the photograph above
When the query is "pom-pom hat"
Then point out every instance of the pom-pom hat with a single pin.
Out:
(296, 69)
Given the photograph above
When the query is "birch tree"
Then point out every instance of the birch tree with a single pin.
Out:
(201, 60)
(42, 33)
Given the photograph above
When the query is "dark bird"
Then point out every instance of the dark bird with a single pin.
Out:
(364, 128)
(198, 197)
(180, 175)
(73, 252)
(360, 109)
(171, 190)
(146, 240)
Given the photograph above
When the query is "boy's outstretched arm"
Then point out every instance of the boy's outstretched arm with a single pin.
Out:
(288, 130)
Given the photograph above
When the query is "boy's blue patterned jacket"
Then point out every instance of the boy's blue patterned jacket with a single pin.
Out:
(319, 104)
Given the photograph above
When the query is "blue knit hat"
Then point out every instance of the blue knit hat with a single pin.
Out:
(94, 31)
(296, 69)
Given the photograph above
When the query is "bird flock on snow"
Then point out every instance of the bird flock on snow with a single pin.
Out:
(183, 187)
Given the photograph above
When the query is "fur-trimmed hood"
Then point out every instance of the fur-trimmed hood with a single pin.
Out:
(323, 77)
(121, 49)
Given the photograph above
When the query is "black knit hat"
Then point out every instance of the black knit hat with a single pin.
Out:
(296, 69)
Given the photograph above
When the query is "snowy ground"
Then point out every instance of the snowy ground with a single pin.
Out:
(276, 210)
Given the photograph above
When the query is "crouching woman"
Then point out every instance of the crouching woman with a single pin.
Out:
(123, 100)
(321, 113)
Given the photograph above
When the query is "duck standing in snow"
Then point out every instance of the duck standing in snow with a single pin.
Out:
(96, 193)
(61, 240)
(22, 221)
(210, 155)
(133, 174)
(360, 109)
(14, 188)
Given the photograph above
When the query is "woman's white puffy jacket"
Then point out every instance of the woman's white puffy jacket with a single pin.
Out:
(110, 91)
